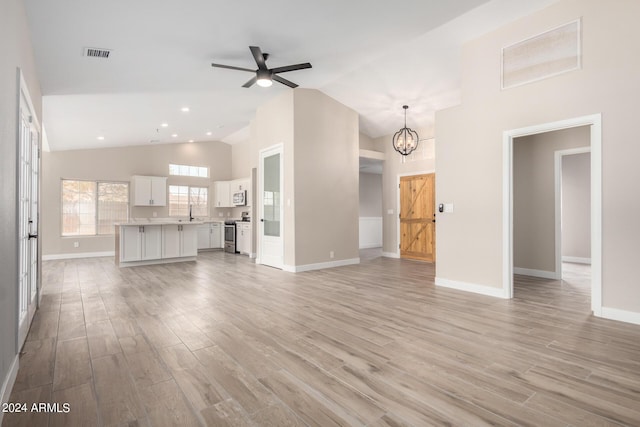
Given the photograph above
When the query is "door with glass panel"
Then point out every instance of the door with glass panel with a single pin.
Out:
(28, 188)
(270, 203)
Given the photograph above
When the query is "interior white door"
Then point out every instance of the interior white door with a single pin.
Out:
(270, 201)
(28, 189)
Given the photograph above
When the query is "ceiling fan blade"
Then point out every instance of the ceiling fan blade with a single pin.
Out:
(231, 67)
(259, 57)
(250, 82)
(284, 81)
(291, 68)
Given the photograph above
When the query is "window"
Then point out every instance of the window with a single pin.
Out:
(91, 208)
(184, 170)
(181, 196)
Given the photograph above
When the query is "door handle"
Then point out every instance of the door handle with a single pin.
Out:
(261, 220)
(33, 236)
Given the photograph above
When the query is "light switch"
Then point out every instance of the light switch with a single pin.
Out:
(448, 207)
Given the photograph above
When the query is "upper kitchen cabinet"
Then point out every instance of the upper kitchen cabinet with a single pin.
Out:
(149, 190)
(222, 198)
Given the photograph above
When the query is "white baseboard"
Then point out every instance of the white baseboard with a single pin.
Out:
(78, 255)
(391, 254)
(9, 381)
(471, 287)
(576, 260)
(320, 265)
(543, 274)
(620, 315)
(371, 246)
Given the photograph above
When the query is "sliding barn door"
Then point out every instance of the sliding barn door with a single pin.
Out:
(417, 217)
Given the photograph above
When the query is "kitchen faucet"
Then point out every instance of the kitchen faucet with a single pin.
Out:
(190, 215)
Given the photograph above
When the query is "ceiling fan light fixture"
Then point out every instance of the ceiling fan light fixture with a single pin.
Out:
(264, 78)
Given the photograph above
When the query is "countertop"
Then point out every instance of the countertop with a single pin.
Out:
(153, 221)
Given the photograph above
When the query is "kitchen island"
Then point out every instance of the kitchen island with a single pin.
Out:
(155, 242)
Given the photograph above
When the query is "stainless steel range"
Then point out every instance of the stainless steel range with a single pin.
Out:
(230, 236)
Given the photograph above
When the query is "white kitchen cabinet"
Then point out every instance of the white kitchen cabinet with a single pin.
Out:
(222, 197)
(243, 237)
(204, 236)
(210, 236)
(217, 235)
(188, 240)
(140, 242)
(179, 240)
(149, 190)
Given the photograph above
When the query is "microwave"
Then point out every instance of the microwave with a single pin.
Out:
(240, 198)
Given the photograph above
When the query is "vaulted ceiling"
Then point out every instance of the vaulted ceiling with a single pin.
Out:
(371, 55)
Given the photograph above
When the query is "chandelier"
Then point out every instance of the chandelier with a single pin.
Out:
(405, 140)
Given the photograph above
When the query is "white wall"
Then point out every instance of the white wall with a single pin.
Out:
(576, 207)
(470, 139)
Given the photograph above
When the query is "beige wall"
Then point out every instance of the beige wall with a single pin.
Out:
(241, 160)
(119, 164)
(534, 226)
(320, 188)
(272, 125)
(469, 149)
(394, 166)
(370, 195)
(326, 162)
(15, 52)
(576, 206)
(367, 143)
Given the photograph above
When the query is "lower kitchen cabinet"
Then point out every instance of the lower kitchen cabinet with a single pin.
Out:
(243, 237)
(151, 244)
(179, 240)
(210, 236)
(139, 243)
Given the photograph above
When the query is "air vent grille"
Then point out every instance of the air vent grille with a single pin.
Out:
(94, 52)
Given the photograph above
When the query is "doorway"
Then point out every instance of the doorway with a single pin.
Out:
(417, 217)
(595, 136)
(270, 227)
(28, 221)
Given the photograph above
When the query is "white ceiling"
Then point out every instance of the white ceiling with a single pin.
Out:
(371, 55)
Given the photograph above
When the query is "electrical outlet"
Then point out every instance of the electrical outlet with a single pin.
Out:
(155, 214)
(331, 254)
(220, 214)
(76, 244)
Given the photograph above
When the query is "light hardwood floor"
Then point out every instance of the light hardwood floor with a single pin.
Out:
(222, 341)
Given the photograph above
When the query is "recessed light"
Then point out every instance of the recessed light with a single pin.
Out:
(174, 135)
(220, 126)
(101, 138)
(191, 140)
(209, 133)
(164, 125)
(185, 109)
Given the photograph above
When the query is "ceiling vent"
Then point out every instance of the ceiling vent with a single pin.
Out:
(94, 52)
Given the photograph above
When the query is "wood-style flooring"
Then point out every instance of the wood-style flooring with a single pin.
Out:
(222, 341)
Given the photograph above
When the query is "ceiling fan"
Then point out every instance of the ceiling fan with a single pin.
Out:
(265, 76)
